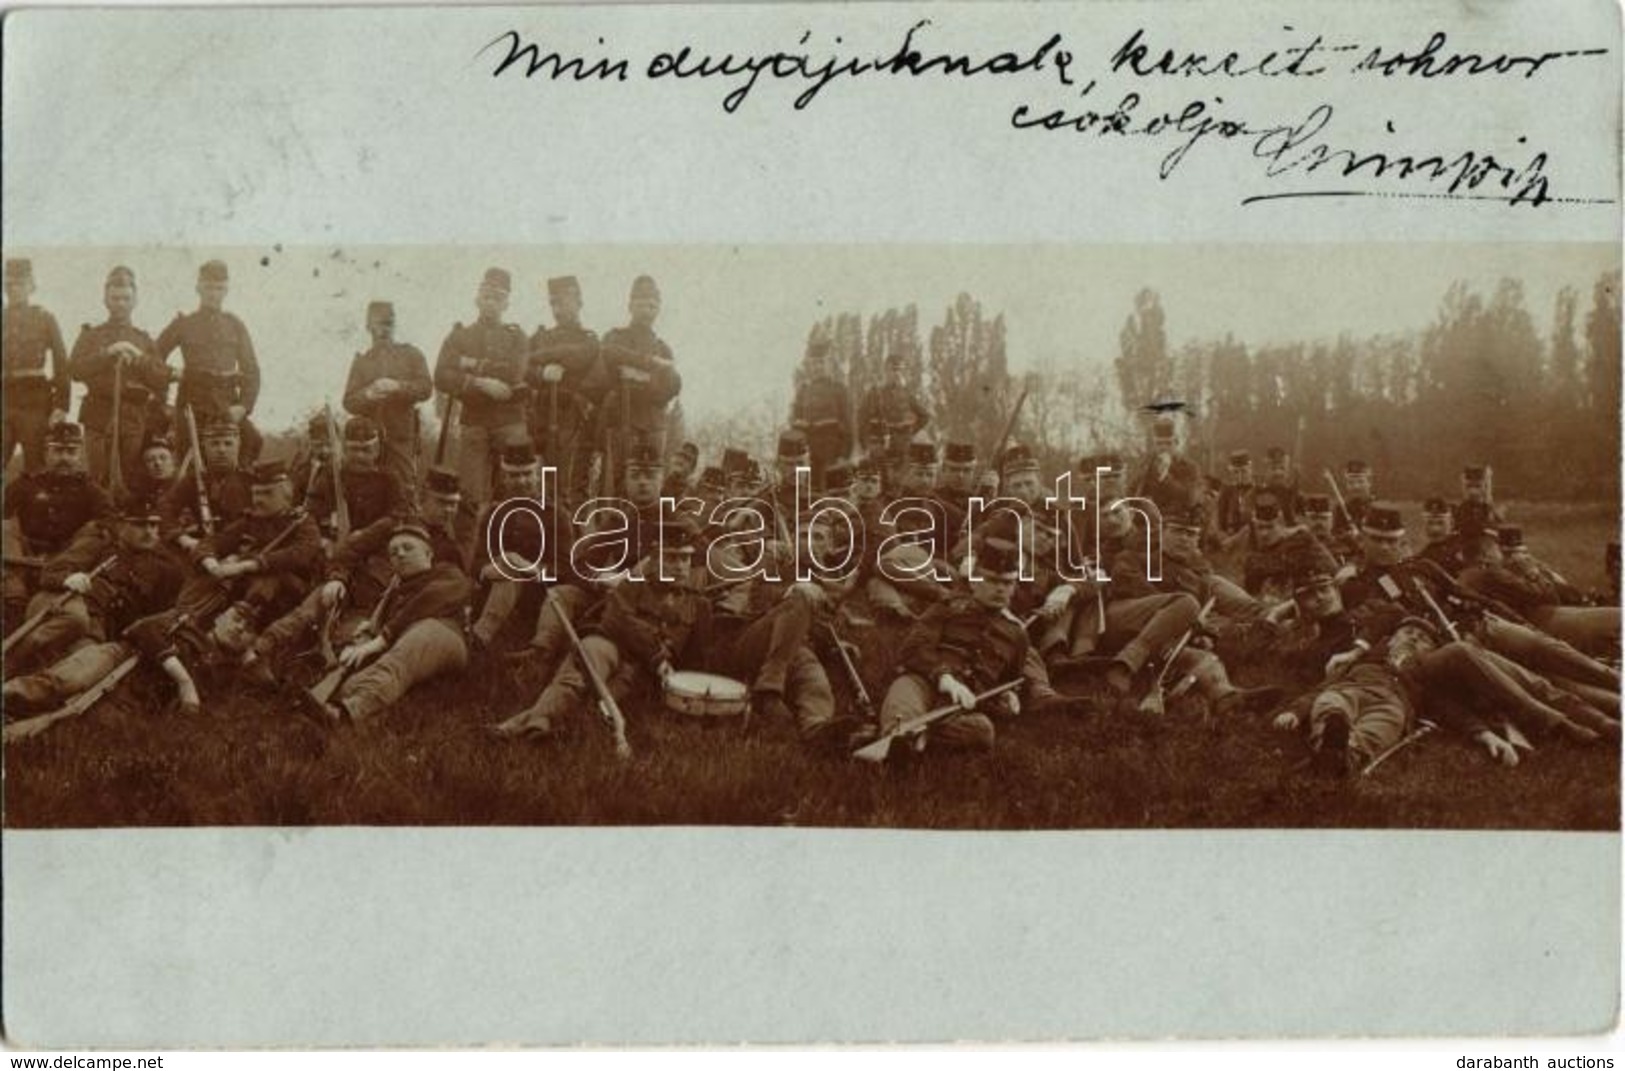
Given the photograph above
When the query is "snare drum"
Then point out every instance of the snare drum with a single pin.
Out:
(705, 695)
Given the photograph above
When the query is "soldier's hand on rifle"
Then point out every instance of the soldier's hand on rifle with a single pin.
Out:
(125, 351)
(1499, 750)
(1056, 602)
(58, 416)
(552, 373)
(956, 690)
(1012, 703)
(332, 592)
(213, 567)
(1337, 663)
(1286, 721)
(187, 542)
(78, 583)
(360, 651)
(494, 389)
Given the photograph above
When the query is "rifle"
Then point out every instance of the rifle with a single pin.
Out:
(204, 513)
(607, 707)
(1337, 492)
(452, 404)
(865, 704)
(1009, 427)
(1449, 625)
(1423, 728)
(340, 505)
(21, 730)
(322, 691)
(915, 726)
(115, 461)
(1154, 696)
(56, 604)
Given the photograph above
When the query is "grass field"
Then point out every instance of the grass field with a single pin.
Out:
(253, 760)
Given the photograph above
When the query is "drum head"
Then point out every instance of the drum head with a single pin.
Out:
(705, 694)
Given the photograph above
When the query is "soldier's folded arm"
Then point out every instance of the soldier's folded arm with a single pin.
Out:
(416, 383)
(84, 552)
(449, 376)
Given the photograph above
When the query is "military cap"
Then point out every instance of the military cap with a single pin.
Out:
(19, 269)
(1510, 537)
(563, 285)
(960, 453)
(219, 427)
(318, 425)
(1188, 518)
(497, 279)
(1239, 458)
(676, 536)
(644, 455)
(792, 445)
(1317, 503)
(713, 479)
(442, 481)
(65, 433)
(867, 468)
(998, 558)
(734, 460)
(269, 472)
(380, 308)
(837, 475)
(1474, 473)
(155, 440)
(690, 451)
(1411, 621)
(1433, 507)
(922, 452)
(119, 275)
(1384, 520)
(1311, 577)
(644, 287)
(520, 458)
(1276, 453)
(1357, 467)
(360, 429)
(1265, 508)
(1018, 458)
(138, 507)
(413, 529)
(213, 271)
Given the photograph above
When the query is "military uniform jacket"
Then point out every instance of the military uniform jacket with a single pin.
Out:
(146, 378)
(371, 494)
(229, 493)
(527, 532)
(1399, 587)
(397, 415)
(138, 583)
(578, 351)
(641, 350)
(30, 335)
(1446, 554)
(823, 412)
(299, 555)
(1178, 576)
(651, 622)
(1235, 508)
(981, 647)
(1526, 594)
(218, 366)
(50, 509)
(439, 593)
(1180, 489)
(484, 351)
(1296, 554)
(1475, 517)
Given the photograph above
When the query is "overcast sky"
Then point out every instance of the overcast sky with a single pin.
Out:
(737, 316)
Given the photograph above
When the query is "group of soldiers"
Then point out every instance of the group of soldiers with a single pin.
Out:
(555, 538)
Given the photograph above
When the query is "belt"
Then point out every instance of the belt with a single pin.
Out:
(29, 373)
(191, 372)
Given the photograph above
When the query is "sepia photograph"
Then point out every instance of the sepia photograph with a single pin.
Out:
(810, 524)
(1231, 536)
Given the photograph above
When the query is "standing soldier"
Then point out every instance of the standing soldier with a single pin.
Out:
(1477, 512)
(679, 480)
(566, 374)
(220, 376)
(642, 375)
(1357, 497)
(1281, 482)
(117, 356)
(386, 384)
(34, 397)
(1234, 512)
(1169, 479)
(48, 508)
(822, 412)
(482, 370)
(895, 408)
